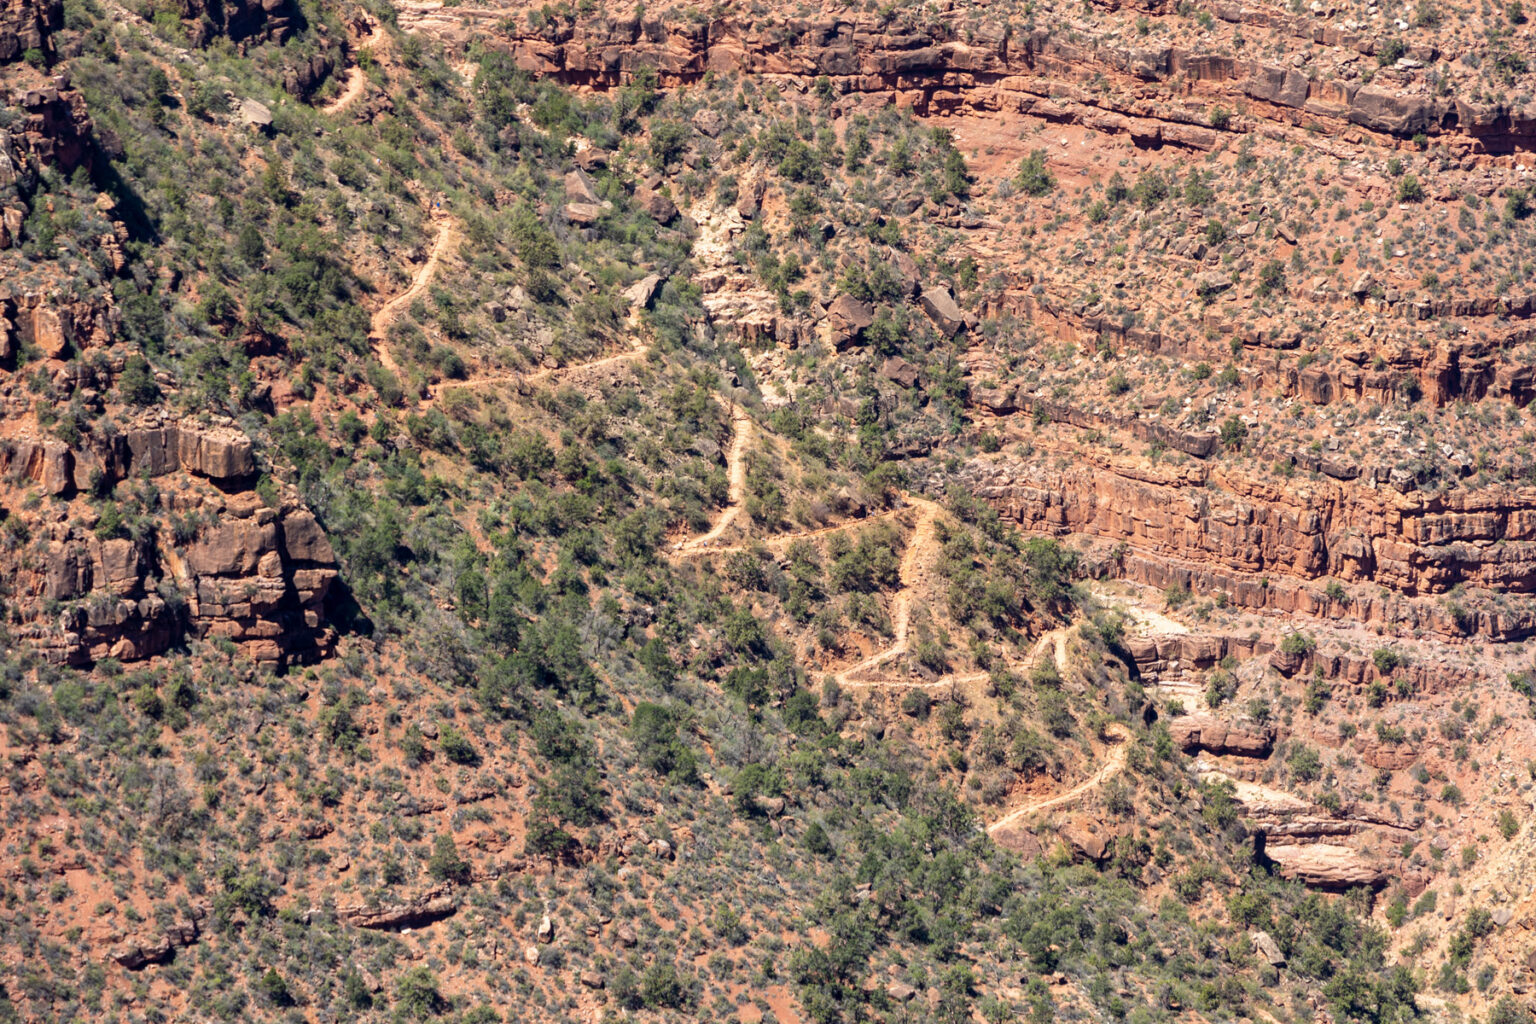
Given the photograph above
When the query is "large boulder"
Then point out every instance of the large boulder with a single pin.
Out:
(1267, 947)
(582, 214)
(899, 371)
(847, 317)
(1088, 839)
(642, 293)
(661, 209)
(579, 188)
(941, 308)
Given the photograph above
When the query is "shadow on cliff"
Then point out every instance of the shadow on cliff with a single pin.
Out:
(344, 613)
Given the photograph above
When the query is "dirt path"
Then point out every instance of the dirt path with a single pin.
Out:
(1056, 639)
(356, 83)
(916, 565)
(639, 352)
(1114, 763)
(736, 471)
(572, 369)
(386, 314)
(783, 540)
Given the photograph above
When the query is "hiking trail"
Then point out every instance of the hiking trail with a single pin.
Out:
(916, 564)
(736, 472)
(1114, 763)
(357, 80)
(386, 314)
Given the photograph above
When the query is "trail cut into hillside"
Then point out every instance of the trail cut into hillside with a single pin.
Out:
(917, 563)
(387, 313)
(1113, 764)
(736, 473)
(357, 80)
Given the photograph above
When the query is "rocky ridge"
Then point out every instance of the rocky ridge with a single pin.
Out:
(929, 67)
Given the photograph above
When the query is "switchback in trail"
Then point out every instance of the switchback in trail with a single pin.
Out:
(736, 473)
(1112, 765)
(387, 313)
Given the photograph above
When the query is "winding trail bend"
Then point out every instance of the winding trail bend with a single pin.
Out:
(1114, 764)
(736, 472)
(387, 313)
(784, 540)
(1038, 652)
(357, 81)
(917, 563)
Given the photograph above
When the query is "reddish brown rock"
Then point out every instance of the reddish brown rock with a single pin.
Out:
(1218, 736)
(660, 208)
(303, 540)
(847, 318)
(940, 306)
(216, 454)
(1088, 839)
(899, 371)
(52, 330)
(1263, 546)
(138, 954)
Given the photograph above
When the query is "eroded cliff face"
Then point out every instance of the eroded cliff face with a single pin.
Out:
(28, 25)
(124, 530)
(178, 545)
(1473, 364)
(935, 66)
(1216, 530)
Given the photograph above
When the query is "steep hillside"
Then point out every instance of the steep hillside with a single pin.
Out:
(983, 512)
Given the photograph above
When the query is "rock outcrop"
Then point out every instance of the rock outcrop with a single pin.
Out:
(138, 954)
(222, 455)
(1194, 733)
(847, 318)
(28, 25)
(927, 65)
(1326, 866)
(1269, 546)
(216, 560)
(54, 130)
(423, 909)
(273, 20)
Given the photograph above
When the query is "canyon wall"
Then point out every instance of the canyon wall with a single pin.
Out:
(937, 66)
(1273, 544)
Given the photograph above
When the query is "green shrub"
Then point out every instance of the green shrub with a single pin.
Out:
(1297, 643)
(445, 864)
(456, 746)
(1034, 179)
